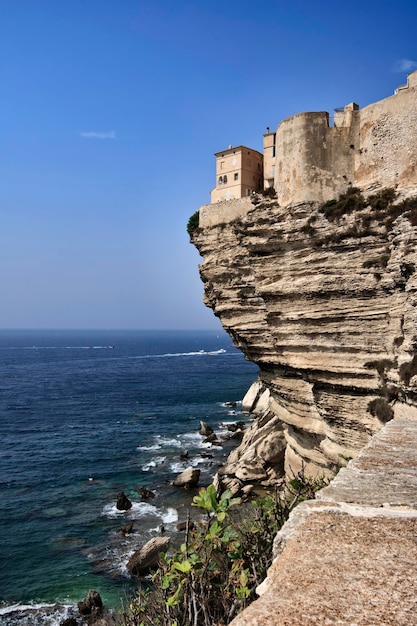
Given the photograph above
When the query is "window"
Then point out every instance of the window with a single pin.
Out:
(236, 176)
(221, 164)
(273, 151)
(224, 179)
(220, 181)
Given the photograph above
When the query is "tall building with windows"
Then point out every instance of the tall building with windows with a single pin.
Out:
(239, 172)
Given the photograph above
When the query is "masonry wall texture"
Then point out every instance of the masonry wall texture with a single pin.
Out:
(369, 148)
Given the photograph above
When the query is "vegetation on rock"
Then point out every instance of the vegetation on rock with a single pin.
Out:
(213, 576)
(193, 223)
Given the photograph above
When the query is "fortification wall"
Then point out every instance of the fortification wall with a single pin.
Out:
(314, 162)
(387, 155)
(224, 212)
(369, 148)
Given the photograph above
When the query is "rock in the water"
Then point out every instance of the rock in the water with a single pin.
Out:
(147, 557)
(188, 478)
(184, 455)
(123, 503)
(145, 494)
(127, 528)
(205, 429)
(92, 605)
(70, 621)
(210, 438)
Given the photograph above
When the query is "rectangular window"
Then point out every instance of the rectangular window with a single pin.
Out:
(273, 151)
(221, 165)
(236, 176)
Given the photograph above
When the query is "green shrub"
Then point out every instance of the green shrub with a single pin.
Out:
(382, 200)
(381, 409)
(347, 202)
(193, 223)
(408, 370)
(214, 574)
(269, 192)
(380, 261)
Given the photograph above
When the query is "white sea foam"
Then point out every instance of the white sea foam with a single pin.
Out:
(195, 437)
(158, 460)
(156, 446)
(179, 354)
(173, 443)
(36, 614)
(177, 467)
(170, 516)
(138, 509)
(141, 509)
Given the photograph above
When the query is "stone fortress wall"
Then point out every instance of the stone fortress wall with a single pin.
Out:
(312, 161)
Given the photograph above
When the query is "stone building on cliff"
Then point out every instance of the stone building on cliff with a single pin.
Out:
(307, 159)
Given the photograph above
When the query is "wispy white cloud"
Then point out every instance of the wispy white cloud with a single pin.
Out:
(94, 135)
(405, 65)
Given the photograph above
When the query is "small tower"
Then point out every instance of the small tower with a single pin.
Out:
(239, 172)
(269, 158)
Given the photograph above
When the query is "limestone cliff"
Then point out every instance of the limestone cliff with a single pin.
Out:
(323, 299)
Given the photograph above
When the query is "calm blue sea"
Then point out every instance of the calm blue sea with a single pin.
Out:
(84, 415)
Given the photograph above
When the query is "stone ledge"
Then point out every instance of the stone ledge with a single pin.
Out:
(349, 558)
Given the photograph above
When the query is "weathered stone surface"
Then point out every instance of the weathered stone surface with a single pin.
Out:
(92, 605)
(328, 311)
(147, 556)
(188, 478)
(205, 429)
(350, 556)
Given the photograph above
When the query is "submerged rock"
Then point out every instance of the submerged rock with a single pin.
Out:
(145, 494)
(127, 528)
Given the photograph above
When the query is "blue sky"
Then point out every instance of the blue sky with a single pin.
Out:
(111, 111)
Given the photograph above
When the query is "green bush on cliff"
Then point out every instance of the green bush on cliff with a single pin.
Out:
(213, 576)
(193, 223)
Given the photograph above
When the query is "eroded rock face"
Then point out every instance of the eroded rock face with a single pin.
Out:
(327, 308)
(147, 557)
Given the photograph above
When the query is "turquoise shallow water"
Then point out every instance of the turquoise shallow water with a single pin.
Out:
(85, 415)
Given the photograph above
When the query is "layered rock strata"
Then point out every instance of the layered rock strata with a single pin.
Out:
(326, 306)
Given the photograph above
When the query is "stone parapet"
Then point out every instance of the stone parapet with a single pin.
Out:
(349, 557)
(224, 212)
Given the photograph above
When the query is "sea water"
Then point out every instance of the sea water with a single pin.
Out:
(83, 416)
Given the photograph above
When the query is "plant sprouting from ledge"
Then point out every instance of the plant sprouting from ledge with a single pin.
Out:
(214, 574)
(193, 223)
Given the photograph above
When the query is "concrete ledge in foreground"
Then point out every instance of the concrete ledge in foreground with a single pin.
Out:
(349, 558)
